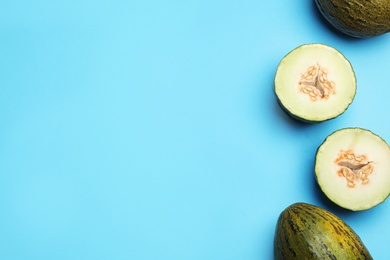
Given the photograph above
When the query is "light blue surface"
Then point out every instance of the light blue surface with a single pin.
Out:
(148, 129)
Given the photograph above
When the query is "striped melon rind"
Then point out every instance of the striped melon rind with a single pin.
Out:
(357, 18)
(305, 231)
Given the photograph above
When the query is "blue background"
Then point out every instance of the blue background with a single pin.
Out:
(149, 129)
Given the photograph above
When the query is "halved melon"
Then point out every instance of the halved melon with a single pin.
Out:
(352, 168)
(315, 82)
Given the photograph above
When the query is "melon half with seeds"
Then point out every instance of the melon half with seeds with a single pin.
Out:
(352, 168)
(314, 83)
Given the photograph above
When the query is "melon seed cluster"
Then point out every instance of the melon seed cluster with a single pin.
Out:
(314, 83)
(354, 168)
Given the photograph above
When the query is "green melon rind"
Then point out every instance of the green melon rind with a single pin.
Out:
(328, 194)
(305, 231)
(307, 119)
(360, 19)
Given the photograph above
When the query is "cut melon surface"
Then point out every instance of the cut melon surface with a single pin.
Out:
(352, 168)
(315, 82)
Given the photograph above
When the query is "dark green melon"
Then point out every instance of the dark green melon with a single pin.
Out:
(305, 231)
(357, 18)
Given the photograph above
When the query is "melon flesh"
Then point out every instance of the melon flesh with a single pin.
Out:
(352, 168)
(309, 95)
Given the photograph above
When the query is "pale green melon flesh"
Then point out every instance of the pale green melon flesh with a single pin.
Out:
(364, 193)
(296, 63)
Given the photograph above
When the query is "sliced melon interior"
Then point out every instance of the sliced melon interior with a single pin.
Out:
(352, 168)
(315, 82)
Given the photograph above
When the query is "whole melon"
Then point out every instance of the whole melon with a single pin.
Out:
(305, 231)
(357, 18)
